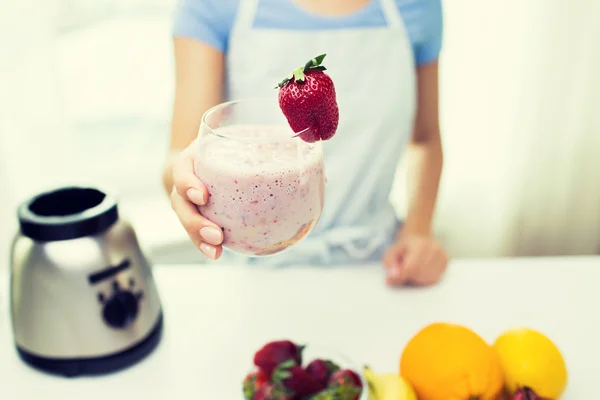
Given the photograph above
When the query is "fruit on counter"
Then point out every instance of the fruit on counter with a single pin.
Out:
(345, 377)
(307, 98)
(321, 371)
(295, 378)
(388, 386)
(274, 353)
(530, 359)
(253, 382)
(271, 391)
(346, 381)
(448, 361)
(525, 393)
(321, 379)
(338, 393)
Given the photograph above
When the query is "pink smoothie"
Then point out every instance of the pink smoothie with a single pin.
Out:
(266, 190)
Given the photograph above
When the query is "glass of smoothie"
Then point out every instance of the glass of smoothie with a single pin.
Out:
(266, 185)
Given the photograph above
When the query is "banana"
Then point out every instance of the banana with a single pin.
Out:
(387, 386)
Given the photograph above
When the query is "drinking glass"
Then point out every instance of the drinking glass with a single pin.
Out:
(266, 185)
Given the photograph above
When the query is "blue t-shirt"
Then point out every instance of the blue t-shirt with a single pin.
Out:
(211, 21)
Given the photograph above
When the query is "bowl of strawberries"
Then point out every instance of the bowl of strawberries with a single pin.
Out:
(284, 370)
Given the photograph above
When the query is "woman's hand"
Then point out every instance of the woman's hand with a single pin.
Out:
(188, 192)
(415, 259)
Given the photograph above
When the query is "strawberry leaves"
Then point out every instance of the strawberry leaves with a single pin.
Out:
(298, 74)
(282, 371)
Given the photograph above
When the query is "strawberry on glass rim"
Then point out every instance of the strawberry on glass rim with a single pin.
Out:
(308, 101)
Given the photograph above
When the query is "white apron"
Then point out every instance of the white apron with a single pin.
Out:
(374, 75)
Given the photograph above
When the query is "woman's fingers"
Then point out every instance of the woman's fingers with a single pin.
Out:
(205, 235)
(188, 193)
(396, 272)
(185, 181)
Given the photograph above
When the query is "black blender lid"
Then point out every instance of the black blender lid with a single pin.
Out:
(67, 213)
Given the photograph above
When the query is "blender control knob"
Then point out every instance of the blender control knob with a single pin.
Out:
(121, 309)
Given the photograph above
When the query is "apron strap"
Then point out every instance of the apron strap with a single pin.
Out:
(245, 14)
(391, 13)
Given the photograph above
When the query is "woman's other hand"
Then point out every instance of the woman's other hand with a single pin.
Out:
(188, 193)
(415, 259)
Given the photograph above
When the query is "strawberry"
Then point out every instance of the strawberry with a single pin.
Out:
(348, 382)
(526, 393)
(308, 101)
(294, 378)
(252, 384)
(321, 370)
(271, 391)
(345, 377)
(274, 353)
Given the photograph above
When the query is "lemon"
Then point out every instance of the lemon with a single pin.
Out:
(529, 358)
(388, 386)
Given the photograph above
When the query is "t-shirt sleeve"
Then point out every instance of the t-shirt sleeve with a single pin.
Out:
(208, 21)
(430, 44)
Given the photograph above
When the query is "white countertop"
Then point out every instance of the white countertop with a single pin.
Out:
(212, 323)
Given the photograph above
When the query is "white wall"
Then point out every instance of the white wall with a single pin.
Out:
(29, 107)
(519, 100)
(559, 202)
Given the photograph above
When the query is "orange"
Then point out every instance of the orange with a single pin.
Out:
(529, 358)
(446, 361)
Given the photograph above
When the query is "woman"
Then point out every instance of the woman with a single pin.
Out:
(382, 57)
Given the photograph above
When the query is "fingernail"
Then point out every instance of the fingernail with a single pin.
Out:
(196, 196)
(208, 250)
(211, 235)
